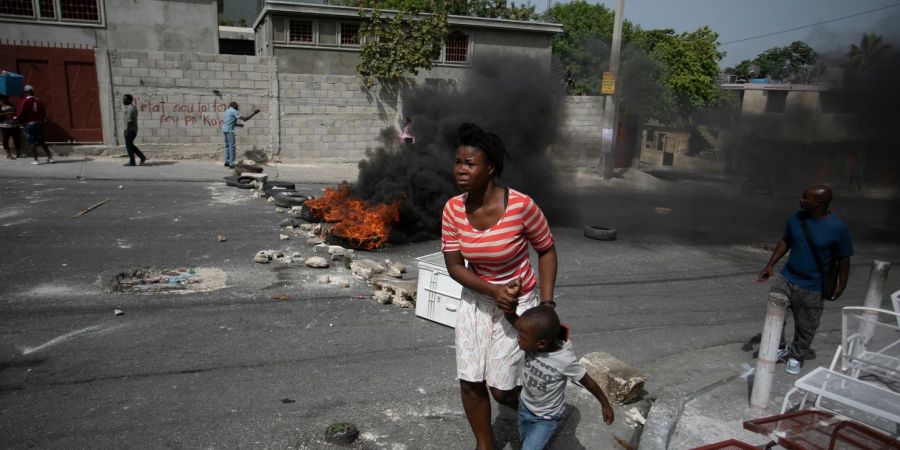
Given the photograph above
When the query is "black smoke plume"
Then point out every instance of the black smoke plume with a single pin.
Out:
(517, 98)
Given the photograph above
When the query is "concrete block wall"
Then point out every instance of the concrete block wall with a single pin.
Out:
(331, 117)
(581, 128)
(181, 98)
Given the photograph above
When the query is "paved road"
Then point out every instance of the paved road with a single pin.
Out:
(234, 368)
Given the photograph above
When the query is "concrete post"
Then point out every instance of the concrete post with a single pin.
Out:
(274, 108)
(768, 353)
(106, 96)
(874, 297)
(608, 137)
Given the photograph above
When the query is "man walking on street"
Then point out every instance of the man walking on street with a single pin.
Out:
(131, 129)
(229, 121)
(33, 114)
(817, 240)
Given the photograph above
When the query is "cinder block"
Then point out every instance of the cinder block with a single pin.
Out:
(231, 67)
(140, 72)
(216, 66)
(121, 72)
(620, 381)
(175, 73)
(128, 62)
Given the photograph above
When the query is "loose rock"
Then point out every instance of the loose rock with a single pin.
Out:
(262, 257)
(283, 237)
(324, 279)
(620, 381)
(320, 248)
(382, 296)
(342, 282)
(296, 256)
(317, 262)
(270, 200)
(221, 238)
(336, 250)
(365, 268)
(279, 210)
(118, 312)
(341, 434)
(314, 241)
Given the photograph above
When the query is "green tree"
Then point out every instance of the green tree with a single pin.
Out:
(580, 49)
(795, 63)
(405, 43)
(870, 50)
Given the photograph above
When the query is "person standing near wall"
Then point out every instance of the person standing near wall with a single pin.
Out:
(131, 130)
(10, 128)
(406, 133)
(33, 114)
(229, 121)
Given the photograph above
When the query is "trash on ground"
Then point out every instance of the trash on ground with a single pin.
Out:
(118, 312)
(168, 281)
(91, 208)
(281, 297)
(221, 238)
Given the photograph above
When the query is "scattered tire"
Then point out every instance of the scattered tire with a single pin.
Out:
(231, 181)
(600, 233)
(270, 192)
(287, 185)
(243, 182)
(289, 198)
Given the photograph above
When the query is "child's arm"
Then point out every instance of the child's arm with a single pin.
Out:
(594, 388)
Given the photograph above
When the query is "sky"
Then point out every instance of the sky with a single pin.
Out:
(739, 19)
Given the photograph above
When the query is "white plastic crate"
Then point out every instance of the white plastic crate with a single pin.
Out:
(437, 295)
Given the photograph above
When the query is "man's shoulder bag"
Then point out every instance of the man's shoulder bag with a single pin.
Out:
(829, 272)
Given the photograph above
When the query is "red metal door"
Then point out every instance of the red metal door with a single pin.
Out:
(65, 79)
(83, 97)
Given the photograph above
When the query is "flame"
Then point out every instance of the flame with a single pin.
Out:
(362, 225)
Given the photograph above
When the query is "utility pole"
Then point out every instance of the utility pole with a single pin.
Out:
(608, 133)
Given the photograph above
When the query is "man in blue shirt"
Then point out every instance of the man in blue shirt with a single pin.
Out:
(800, 280)
(229, 121)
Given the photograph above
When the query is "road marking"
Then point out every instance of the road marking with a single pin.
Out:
(66, 337)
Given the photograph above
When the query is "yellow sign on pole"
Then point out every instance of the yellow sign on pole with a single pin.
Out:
(608, 84)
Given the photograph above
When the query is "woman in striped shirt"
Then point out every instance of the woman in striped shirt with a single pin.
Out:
(491, 226)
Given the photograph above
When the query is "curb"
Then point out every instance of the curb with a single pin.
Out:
(666, 411)
(663, 418)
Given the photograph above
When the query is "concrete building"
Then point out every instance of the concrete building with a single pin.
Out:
(60, 48)
(322, 39)
(168, 54)
(795, 113)
(160, 25)
(697, 149)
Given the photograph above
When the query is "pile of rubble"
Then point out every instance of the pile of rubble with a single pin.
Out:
(386, 279)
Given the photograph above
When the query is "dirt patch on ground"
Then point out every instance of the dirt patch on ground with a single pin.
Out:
(226, 195)
(168, 281)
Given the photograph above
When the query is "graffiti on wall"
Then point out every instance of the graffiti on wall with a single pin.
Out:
(181, 114)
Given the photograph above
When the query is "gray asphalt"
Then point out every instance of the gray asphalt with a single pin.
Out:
(234, 368)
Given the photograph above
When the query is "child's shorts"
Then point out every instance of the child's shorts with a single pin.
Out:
(487, 347)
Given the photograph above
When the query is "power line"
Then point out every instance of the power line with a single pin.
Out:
(811, 25)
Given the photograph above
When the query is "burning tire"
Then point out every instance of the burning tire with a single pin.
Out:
(289, 198)
(600, 233)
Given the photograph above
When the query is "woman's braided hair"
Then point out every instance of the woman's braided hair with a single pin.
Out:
(472, 135)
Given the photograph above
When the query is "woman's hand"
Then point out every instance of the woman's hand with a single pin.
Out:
(505, 299)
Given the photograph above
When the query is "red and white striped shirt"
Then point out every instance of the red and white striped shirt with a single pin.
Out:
(500, 253)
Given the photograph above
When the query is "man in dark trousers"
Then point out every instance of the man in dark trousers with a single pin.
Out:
(131, 130)
(800, 280)
(33, 114)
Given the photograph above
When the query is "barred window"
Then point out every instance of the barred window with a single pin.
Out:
(52, 10)
(457, 47)
(79, 10)
(349, 34)
(47, 9)
(300, 31)
(23, 8)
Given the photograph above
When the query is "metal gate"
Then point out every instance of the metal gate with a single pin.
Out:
(65, 79)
